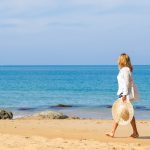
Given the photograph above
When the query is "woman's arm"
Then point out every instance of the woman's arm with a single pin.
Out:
(126, 81)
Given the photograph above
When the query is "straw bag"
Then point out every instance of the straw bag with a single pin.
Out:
(134, 94)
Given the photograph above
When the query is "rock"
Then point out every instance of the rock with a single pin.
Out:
(6, 114)
(61, 106)
(25, 108)
(50, 115)
(74, 117)
(108, 106)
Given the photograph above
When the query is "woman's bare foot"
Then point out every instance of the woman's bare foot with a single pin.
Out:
(134, 135)
(110, 134)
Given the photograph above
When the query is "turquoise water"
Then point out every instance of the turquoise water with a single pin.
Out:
(91, 90)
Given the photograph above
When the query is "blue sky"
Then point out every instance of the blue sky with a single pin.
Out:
(74, 31)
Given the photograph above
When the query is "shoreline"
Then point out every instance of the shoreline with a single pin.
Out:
(93, 112)
(82, 118)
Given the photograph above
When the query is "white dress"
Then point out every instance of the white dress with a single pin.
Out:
(124, 82)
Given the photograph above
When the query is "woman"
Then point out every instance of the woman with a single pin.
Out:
(124, 81)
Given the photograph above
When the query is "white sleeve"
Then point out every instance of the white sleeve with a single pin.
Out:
(126, 80)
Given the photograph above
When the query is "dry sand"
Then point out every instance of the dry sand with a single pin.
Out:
(34, 134)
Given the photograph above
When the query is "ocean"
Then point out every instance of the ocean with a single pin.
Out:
(90, 89)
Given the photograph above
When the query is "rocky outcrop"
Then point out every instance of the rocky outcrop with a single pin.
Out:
(6, 114)
(26, 108)
(50, 115)
(74, 117)
(61, 106)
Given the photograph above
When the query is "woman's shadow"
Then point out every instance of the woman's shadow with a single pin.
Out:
(144, 137)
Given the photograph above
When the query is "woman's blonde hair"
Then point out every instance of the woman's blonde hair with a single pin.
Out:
(124, 61)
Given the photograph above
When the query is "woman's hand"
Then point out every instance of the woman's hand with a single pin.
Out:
(124, 98)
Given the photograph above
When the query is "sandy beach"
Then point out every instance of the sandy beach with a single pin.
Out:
(70, 134)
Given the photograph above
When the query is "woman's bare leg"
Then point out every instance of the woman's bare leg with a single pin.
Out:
(135, 132)
(112, 133)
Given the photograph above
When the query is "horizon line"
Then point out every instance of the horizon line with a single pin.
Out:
(68, 65)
